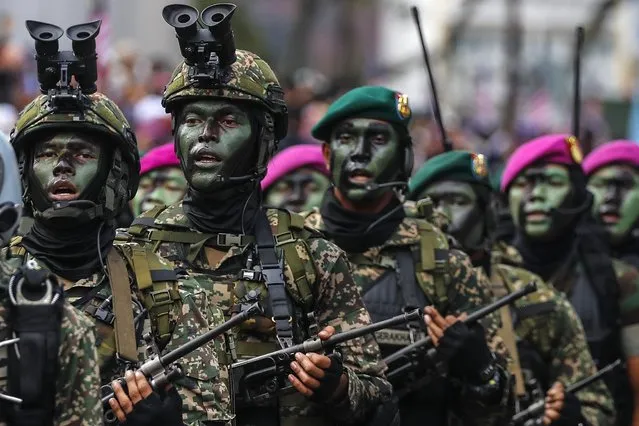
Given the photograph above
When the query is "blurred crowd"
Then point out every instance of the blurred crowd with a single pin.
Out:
(135, 82)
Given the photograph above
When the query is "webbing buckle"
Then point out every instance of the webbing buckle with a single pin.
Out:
(156, 296)
(228, 240)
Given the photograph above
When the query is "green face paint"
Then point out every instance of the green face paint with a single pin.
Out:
(65, 165)
(364, 151)
(215, 140)
(299, 191)
(164, 186)
(616, 199)
(534, 195)
(458, 201)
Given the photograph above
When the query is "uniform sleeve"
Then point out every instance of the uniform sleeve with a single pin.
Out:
(468, 291)
(78, 381)
(204, 387)
(339, 304)
(571, 362)
(628, 280)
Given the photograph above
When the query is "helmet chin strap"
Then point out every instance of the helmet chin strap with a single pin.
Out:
(71, 213)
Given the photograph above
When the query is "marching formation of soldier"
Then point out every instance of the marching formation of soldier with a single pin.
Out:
(320, 286)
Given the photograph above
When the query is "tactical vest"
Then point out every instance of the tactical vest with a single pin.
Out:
(155, 282)
(401, 289)
(289, 309)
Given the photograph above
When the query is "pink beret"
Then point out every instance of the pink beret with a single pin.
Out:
(612, 152)
(557, 149)
(293, 158)
(160, 156)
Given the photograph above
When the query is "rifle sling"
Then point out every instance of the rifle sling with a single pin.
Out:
(125, 340)
(274, 279)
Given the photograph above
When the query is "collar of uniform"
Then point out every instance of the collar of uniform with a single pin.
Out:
(173, 215)
(505, 253)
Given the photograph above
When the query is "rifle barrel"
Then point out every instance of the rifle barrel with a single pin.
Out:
(475, 316)
(317, 344)
(203, 339)
(535, 408)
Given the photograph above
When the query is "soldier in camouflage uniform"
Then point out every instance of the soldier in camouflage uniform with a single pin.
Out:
(77, 377)
(79, 165)
(559, 241)
(227, 122)
(401, 263)
(552, 345)
(613, 178)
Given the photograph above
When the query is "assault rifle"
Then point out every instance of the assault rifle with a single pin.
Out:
(258, 379)
(537, 409)
(160, 370)
(415, 356)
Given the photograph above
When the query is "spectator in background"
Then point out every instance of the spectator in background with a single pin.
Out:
(11, 63)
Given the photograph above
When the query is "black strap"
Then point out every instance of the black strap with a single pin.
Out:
(78, 303)
(406, 279)
(274, 279)
(32, 375)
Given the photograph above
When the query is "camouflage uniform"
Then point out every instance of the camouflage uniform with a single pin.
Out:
(316, 273)
(78, 382)
(464, 291)
(172, 311)
(547, 324)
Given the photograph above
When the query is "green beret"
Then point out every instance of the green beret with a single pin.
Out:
(374, 102)
(461, 166)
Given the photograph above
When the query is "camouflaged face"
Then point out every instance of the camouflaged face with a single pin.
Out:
(250, 79)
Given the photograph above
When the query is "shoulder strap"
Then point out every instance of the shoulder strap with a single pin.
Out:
(290, 230)
(406, 266)
(433, 258)
(274, 279)
(125, 340)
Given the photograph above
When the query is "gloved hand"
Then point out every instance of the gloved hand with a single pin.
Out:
(463, 347)
(155, 410)
(569, 412)
(143, 407)
(316, 376)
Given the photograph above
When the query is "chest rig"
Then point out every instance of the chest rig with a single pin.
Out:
(403, 287)
(279, 244)
(110, 299)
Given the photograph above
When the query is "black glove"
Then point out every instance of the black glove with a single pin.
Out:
(157, 409)
(330, 382)
(571, 412)
(465, 350)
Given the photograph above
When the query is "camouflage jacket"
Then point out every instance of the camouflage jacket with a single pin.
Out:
(203, 387)
(77, 399)
(335, 301)
(464, 293)
(548, 323)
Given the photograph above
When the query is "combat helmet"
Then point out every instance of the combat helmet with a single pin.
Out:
(65, 105)
(222, 72)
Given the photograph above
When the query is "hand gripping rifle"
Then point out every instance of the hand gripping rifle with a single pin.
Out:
(416, 355)
(537, 409)
(160, 370)
(258, 379)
